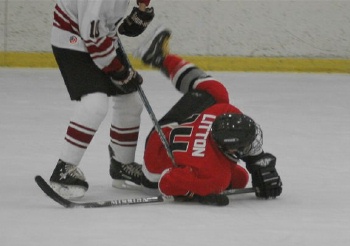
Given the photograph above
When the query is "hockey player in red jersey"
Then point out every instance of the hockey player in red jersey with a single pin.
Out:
(84, 43)
(207, 135)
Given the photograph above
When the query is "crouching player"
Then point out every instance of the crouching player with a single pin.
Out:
(207, 136)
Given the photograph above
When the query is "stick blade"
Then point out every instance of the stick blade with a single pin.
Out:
(96, 204)
(45, 187)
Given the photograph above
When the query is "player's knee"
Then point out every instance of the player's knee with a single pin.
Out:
(95, 105)
(168, 185)
(128, 104)
(176, 181)
(221, 181)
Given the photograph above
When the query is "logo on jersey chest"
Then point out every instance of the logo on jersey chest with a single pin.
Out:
(73, 40)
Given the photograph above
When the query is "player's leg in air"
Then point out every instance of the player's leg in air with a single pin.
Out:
(154, 52)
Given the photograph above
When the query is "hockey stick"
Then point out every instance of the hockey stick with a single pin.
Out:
(156, 124)
(238, 191)
(149, 110)
(120, 202)
(100, 204)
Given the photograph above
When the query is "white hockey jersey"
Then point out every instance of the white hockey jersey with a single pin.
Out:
(89, 26)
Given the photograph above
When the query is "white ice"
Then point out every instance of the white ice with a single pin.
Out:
(306, 124)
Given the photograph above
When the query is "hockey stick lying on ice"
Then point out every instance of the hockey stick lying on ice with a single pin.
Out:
(120, 202)
(69, 204)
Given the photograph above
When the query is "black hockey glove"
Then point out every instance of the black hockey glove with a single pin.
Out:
(265, 179)
(127, 80)
(135, 23)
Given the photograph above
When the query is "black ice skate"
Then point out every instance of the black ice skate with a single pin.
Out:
(123, 173)
(154, 49)
(68, 180)
(128, 175)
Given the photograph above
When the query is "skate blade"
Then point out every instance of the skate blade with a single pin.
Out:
(68, 191)
(125, 184)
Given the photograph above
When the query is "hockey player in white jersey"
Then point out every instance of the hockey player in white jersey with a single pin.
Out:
(93, 68)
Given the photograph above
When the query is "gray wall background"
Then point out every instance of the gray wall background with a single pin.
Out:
(261, 28)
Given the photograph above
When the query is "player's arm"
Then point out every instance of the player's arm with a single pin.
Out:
(112, 62)
(99, 39)
(122, 75)
(133, 25)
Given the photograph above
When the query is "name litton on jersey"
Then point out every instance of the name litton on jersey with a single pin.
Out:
(202, 135)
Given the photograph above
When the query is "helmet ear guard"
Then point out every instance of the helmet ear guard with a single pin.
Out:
(233, 131)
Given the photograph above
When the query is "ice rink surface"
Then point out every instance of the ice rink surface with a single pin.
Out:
(306, 124)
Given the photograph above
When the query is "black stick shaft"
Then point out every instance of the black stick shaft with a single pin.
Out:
(150, 111)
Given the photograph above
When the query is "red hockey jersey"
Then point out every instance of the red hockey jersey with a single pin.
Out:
(202, 168)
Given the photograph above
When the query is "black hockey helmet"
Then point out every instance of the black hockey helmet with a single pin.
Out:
(233, 131)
